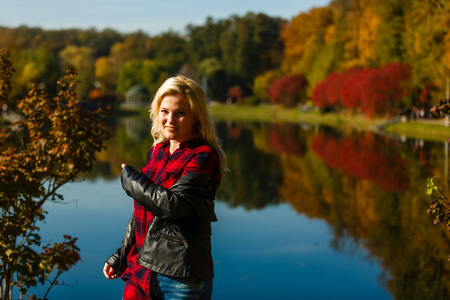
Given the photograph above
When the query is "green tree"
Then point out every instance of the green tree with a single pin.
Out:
(104, 74)
(250, 45)
(389, 42)
(54, 142)
(150, 73)
(80, 59)
(204, 40)
(212, 69)
(262, 83)
(169, 47)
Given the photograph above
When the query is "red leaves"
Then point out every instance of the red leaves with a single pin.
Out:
(374, 91)
(364, 157)
(288, 90)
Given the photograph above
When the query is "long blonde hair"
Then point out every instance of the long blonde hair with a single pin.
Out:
(193, 93)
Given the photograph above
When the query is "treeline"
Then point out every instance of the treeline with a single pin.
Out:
(255, 57)
(227, 53)
(408, 37)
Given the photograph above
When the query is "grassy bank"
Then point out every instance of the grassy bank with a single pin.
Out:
(421, 130)
(428, 130)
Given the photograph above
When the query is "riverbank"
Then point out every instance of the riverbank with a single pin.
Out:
(426, 129)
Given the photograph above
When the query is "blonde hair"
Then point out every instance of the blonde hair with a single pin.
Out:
(193, 93)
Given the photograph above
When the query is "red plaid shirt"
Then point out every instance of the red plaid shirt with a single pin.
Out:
(193, 156)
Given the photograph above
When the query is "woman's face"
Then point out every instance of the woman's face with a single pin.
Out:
(176, 118)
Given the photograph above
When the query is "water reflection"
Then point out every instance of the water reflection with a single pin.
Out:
(369, 189)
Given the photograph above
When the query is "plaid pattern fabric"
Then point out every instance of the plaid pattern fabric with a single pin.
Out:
(134, 291)
(193, 156)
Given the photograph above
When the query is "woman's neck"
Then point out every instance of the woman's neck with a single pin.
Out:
(174, 145)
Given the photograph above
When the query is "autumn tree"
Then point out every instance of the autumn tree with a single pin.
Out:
(358, 23)
(288, 90)
(35, 65)
(350, 92)
(373, 91)
(262, 83)
(389, 43)
(305, 27)
(319, 96)
(384, 88)
(54, 142)
(80, 59)
(105, 74)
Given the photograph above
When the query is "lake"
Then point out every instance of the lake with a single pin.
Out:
(306, 212)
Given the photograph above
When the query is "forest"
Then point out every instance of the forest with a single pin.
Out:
(374, 57)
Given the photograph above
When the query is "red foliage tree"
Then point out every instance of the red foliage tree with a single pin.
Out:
(374, 91)
(326, 94)
(319, 95)
(333, 86)
(350, 91)
(235, 94)
(374, 96)
(384, 87)
(288, 90)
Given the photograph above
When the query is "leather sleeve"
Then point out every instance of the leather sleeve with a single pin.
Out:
(158, 200)
(118, 260)
(193, 193)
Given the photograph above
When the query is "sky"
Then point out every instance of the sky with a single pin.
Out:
(150, 16)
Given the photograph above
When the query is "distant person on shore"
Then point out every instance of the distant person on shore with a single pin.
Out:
(166, 250)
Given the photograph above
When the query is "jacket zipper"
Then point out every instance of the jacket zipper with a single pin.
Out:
(169, 237)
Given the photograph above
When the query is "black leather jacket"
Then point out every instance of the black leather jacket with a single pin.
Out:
(178, 242)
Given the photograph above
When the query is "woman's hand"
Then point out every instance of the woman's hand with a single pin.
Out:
(109, 272)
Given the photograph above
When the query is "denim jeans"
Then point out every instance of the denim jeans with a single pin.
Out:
(164, 287)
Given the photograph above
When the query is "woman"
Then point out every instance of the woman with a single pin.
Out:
(166, 250)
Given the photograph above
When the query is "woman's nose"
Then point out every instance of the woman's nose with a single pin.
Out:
(170, 118)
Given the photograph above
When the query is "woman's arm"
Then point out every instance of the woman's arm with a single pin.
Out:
(192, 193)
(155, 198)
(117, 262)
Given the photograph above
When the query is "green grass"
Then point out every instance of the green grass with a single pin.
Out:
(434, 130)
(426, 131)
(269, 113)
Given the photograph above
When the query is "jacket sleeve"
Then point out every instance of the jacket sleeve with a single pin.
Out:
(118, 260)
(183, 199)
(158, 200)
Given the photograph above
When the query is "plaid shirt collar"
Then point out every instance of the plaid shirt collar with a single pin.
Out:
(192, 143)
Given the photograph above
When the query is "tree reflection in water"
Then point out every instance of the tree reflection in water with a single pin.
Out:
(368, 188)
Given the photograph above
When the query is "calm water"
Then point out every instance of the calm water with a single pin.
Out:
(306, 213)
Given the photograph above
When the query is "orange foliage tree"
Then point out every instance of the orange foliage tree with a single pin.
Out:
(54, 142)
